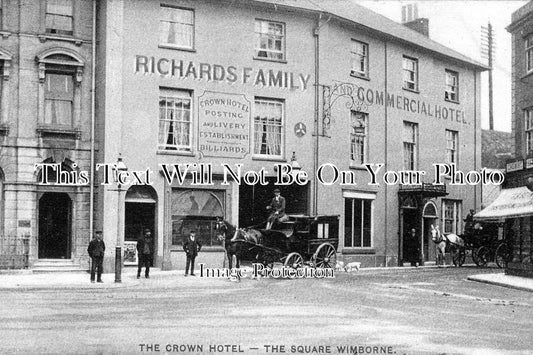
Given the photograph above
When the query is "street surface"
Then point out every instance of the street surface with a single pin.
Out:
(411, 311)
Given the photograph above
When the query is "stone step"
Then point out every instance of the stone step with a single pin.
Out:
(57, 265)
(55, 269)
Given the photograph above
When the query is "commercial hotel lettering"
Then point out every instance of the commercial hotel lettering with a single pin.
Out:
(215, 72)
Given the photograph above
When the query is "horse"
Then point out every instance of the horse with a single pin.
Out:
(227, 232)
(441, 240)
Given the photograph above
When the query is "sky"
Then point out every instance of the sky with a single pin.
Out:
(457, 24)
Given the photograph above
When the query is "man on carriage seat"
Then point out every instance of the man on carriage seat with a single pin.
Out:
(469, 223)
(277, 208)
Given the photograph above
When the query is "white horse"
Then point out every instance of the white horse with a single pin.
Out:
(441, 240)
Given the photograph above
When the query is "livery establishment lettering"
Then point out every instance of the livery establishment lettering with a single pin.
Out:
(399, 102)
(215, 72)
(223, 125)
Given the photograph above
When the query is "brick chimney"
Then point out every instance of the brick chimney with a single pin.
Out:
(410, 19)
(420, 25)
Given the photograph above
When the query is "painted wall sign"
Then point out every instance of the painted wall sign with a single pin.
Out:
(215, 72)
(224, 125)
(361, 97)
(514, 166)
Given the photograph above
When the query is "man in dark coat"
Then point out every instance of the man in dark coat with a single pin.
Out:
(277, 209)
(96, 251)
(191, 246)
(145, 250)
(413, 245)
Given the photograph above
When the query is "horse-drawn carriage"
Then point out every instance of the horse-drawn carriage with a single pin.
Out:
(481, 241)
(299, 240)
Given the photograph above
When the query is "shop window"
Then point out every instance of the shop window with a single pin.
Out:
(358, 138)
(59, 18)
(529, 53)
(270, 40)
(451, 218)
(176, 27)
(452, 144)
(452, 86)
(528, 119)
(175, 120)
(410, 146)
(196, 210)
(357, 223)
(410, 73)
(359, 57)
(268, 128)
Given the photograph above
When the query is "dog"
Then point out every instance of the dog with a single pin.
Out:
(339, 266)
(352, 266)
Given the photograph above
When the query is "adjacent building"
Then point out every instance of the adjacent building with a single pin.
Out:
(46, 50)
(516, 200)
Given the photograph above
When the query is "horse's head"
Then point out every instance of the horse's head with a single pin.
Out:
(436, 236)
(223, 229)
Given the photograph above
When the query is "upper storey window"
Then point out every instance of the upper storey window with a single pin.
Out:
(270, 40)
(176, 27)
(529, 53)
(59, 19)
(410, 73)
(452, 86)
(359, 54)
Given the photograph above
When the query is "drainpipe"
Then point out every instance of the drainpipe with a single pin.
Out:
(93, 123)
(386, 224)
(316, 33)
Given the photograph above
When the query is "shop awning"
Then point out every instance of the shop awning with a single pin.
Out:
(512, 203)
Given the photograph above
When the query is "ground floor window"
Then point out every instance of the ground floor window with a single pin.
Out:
(451, 210)
(357, 222)
(196, 210)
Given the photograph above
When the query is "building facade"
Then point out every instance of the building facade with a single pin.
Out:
(519, 171)
(236, 89)
(46, 86)
(260, 83)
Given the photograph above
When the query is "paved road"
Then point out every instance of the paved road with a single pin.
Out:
(418, 311)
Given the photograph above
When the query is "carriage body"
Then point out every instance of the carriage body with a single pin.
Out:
(301, 240)
(481, 240)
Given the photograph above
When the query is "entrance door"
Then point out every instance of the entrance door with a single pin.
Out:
(55, 212)
(410, 219)
(429, 246)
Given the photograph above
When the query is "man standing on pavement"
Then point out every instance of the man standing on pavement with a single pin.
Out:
(191, 246)
(96, 251)
(145, 253)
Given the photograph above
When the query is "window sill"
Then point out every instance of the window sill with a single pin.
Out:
(452, 101)
(282, 61)
(357, 166)
(272, 159)
(76, 41)
(5, 34)
(411, 90)
(58, 131)
(177, 48)
(358, 251)
(359, 76)
(174, 152)
(527, 74)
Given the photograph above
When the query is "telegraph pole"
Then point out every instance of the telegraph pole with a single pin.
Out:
(487, 51)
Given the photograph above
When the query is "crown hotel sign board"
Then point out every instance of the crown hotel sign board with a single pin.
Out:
(223, 125)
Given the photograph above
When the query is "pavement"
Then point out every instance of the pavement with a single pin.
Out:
(24, 279)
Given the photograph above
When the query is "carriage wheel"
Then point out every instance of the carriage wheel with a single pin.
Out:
(481, 258)
(458, 256)
(325, 256)
(294, 260)
(502, 255)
